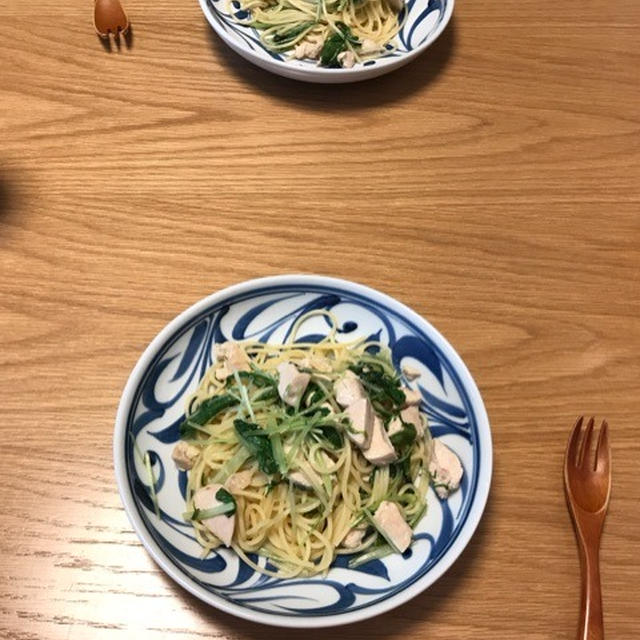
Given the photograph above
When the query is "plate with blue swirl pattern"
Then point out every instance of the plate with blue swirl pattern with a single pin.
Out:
(422, 23)
(152, 407)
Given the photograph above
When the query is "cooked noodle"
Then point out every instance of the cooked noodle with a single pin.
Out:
(284, 25)
(300, 528)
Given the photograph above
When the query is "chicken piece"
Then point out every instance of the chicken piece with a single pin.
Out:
(396, 5)
(185, 455)
(390, 521)
(221, 526)
(361, 415)
(410, 415)
(231, 358)
(395, 426)
(354, 537)
(445, 469)
(410, 373)
(380, 449)
(238, 481)
(348, 389)
(369, 47)
(260, 479)
(300, 480)
(412, 397)
(292, 383)
(346, 59)
(307, 49)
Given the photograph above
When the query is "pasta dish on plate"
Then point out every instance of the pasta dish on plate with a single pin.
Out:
(302, 451)
(336, 33)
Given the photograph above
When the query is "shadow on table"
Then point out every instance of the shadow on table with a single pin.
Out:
(5, 198)
(331, 97)
(114, 43)
(398, 622)
(8, 200)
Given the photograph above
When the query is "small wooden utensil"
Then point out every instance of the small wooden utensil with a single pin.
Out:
(109, 17)
(587, 485)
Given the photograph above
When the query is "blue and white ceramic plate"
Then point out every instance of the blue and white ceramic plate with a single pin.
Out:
(152, 406)
(425, 21)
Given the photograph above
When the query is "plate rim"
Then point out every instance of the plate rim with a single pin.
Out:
(419, 585)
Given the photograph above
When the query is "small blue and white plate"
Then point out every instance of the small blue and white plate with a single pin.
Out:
(425, 21)
(152, 406)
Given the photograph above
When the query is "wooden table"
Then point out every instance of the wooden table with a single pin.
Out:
(492, 185)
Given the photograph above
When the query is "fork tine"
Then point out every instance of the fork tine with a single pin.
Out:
(603, 452)
(572, 446)
(585, 447)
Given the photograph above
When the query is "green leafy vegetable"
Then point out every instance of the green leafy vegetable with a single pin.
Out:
(222, 495)
(244, 395)
(335, 44)
(278, 453)
(259, 445)
(332, 436)
(402, 442)
(292, 33)
(413, 520)
(405, 437)
(287, 35)
(271, 485)
(259, 378)
(377, 552)
(402, 467)
(231, 465)
(205, 412)
(312, 395)
(152, 483)
(204, 514)
(383, 389)
(269, 393)
(332, 47)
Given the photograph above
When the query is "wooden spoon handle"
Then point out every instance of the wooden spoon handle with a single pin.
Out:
(591, 626)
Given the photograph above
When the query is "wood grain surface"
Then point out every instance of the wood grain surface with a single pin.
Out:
(492, 185)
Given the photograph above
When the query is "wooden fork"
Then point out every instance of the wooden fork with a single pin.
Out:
(109, 17)
(587, 484)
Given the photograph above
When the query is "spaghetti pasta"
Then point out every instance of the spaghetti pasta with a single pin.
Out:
(272, 429)
(338, 33)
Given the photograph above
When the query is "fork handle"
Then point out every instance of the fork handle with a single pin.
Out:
(591, 626)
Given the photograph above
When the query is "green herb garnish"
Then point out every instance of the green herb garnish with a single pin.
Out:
(204, 514)
(258, 445)
(222, 495)
(205, 412)
(381, 551)
(335, 44)
(405, 437)
(259, 378)
(152, 483)
(271, 485)
(312, 395)
(332, 436)
(384, 390)
(287, 35)
(402, 467)
(402, 442)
